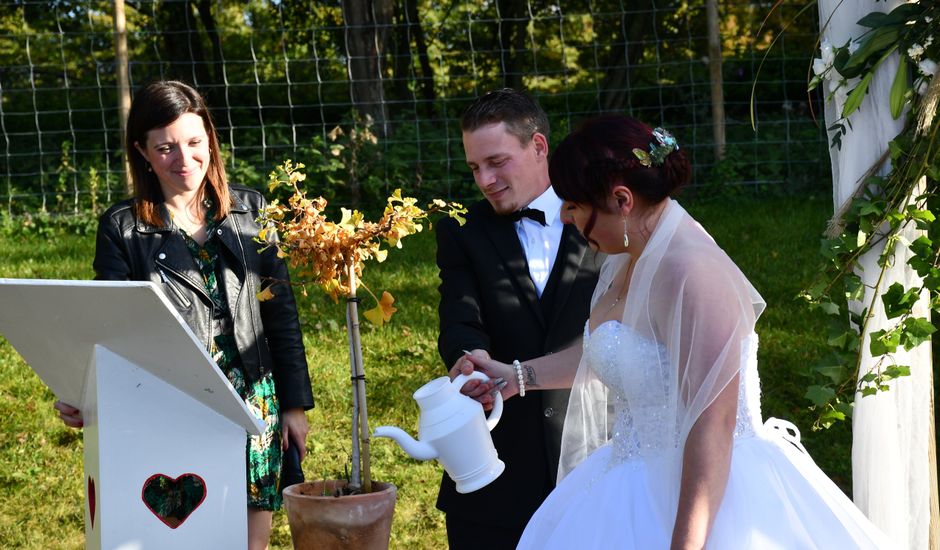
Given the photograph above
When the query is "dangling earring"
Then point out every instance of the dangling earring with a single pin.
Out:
(626, 238)
(149, 167)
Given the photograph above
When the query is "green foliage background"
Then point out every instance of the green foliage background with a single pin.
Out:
(276, 75)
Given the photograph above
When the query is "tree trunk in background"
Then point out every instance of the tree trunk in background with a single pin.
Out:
(124, 89)
(717, 81)
(615, 87)
(366, 31)
(208, 23)
(181, 44)
(511, 37)
(427, 74)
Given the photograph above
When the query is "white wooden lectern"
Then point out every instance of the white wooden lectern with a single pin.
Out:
(159, 414)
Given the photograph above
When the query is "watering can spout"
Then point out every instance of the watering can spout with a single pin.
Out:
(416, 449)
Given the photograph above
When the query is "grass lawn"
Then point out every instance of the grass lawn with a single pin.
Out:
(774, 240)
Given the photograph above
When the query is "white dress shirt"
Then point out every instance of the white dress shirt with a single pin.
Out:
(540, 242)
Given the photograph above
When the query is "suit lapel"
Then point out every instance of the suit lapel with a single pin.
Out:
(502, 233)
(571, 251)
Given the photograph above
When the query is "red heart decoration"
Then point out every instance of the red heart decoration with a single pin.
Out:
(91, 500)
(173, 500)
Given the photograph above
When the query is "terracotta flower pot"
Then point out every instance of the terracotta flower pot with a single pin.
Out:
(318, 520)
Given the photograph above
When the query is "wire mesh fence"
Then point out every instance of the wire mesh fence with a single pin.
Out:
(394, 76)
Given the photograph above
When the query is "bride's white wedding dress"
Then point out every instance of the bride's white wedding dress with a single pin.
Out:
(624, 494)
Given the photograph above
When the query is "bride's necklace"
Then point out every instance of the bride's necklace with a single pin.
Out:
(623, 290)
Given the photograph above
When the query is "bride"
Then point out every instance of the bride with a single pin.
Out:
(664, 444)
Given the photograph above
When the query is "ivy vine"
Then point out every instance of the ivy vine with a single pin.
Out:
(877, 215)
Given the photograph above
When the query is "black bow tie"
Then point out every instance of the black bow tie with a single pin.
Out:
(531, 213)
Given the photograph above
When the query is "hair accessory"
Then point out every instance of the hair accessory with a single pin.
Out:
(626, 238)
(516, 365)
(660, 148)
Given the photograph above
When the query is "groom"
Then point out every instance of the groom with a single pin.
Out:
(516, 283)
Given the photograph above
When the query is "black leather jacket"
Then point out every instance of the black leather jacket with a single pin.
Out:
(267, 333)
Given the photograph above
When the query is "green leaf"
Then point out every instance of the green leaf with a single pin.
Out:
(898, 301)
(915, 331)
(836, 373)
(857, 95)
(820, 395)
(873, 20)
(814, 83)
(830, 417)
(854, 289)
(897, 371)
(829, 308)
(883, 342)
(899, 88)
(923, 217)
(876, 44)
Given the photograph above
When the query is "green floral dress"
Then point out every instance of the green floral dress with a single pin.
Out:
(264, 451)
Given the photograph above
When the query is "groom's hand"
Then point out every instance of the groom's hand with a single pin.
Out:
(472, 388)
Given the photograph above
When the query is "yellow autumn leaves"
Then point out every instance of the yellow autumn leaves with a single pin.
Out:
(324, 252)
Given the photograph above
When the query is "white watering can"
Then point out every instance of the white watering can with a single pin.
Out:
(453, 429)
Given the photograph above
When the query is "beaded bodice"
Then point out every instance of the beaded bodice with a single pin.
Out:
(640, 382)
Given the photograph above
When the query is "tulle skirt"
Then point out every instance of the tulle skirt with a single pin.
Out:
(776, 498)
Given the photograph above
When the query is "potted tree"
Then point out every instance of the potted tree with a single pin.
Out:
(353, 513)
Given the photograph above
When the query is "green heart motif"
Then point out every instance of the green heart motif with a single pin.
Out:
(173, 500)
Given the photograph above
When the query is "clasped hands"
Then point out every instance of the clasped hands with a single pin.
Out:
(502, 377)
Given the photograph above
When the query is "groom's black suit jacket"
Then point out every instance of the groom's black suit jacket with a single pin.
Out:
(488, 301)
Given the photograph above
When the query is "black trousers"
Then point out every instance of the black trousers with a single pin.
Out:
(470, 535)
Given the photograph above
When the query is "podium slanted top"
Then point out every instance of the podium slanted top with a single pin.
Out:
(56, 324)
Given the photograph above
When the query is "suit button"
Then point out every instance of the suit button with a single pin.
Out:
(219, 231)
(162, 256)
(549, 412)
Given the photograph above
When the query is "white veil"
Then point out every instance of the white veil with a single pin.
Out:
(692, 302)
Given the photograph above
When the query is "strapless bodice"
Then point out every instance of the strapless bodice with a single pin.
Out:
(641, 382)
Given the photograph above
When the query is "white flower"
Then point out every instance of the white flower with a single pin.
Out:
(929, 41)
(828, 56)
(927, 67)
(915, 51)
(819, 67)
(921, 85)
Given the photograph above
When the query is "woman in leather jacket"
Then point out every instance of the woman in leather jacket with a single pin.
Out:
(187, 230)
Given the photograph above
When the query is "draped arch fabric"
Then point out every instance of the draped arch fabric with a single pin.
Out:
(891, 430)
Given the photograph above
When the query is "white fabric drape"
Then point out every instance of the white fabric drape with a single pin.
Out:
(890, 467)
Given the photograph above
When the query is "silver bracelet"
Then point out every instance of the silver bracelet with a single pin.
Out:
(516, 365)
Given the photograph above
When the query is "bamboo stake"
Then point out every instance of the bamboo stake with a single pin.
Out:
(355, 478)
(359, 387)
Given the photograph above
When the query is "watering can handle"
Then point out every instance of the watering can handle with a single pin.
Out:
(497, 411)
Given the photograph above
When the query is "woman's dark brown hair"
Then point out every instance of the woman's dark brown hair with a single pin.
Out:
(157, 105)
(598, 156)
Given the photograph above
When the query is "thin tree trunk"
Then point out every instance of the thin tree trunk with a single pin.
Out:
(208, 23)
(618, 79)
(513, 22)
(181, 42)
(124, 89)
(715, 74)
(366, 29)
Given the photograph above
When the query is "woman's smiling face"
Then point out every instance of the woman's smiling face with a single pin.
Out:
(178, 154)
